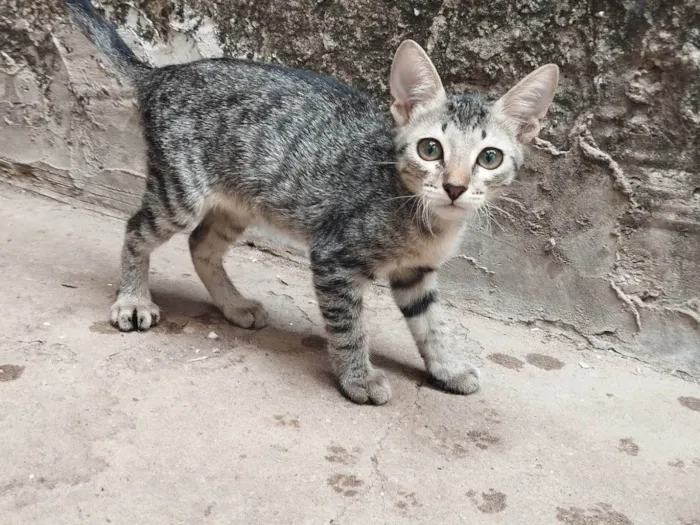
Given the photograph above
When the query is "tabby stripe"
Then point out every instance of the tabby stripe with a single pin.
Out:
(420, 305)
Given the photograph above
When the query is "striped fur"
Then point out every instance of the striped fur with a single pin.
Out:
(231, 142)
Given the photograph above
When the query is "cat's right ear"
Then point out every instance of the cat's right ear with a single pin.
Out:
(413, 81)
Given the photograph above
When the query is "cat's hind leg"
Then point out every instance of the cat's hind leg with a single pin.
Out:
(209, 242)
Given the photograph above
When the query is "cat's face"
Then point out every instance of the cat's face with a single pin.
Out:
(456, 151)
(456, 154)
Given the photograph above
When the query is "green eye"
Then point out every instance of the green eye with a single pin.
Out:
(430, 149)
(490, 158)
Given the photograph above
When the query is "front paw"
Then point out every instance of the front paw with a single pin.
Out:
(372, 386)
(456, 379)
(134, 313)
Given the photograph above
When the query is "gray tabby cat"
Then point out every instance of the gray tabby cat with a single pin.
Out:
(372, 195)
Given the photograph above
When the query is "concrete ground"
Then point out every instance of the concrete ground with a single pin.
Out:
(177, 426)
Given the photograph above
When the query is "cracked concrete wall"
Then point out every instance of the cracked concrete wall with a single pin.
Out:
(599, 239)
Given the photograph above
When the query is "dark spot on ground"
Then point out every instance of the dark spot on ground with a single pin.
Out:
(610, 395)
(506, 360)
(209, 318)
(678, 463)
(103, 327)
(491, 502)
(345, 484)
(407, 500)
(602, 514)
(482, 439)
(544, 362)
(10, 372)
(207, 511)
(170, 327)
(693, 403)
(338, 454)
(284, 421)
(628, 446)
(315, 342)
(490, 415)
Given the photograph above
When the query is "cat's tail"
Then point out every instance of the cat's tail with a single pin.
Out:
(106, 39)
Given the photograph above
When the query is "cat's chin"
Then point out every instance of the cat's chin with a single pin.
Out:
(451, 212)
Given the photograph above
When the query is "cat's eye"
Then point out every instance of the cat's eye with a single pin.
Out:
(490, 158)
(430, 149)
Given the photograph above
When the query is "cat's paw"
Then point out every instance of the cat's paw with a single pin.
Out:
(245, 313)
(134, 313)
(373, 388)
(462, 379)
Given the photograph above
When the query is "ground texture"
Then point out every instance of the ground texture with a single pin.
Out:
(200, 422)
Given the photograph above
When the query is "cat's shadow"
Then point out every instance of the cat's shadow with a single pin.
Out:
(287, 345)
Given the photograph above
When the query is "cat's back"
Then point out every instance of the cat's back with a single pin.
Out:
(212, 86)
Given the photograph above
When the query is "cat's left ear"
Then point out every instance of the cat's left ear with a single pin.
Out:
(527, 103)
(413, 81)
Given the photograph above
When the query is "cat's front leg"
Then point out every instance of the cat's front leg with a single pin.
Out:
(340, 292)
(415, 293)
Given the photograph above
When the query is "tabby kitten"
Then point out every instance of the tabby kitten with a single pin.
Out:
(372, 194)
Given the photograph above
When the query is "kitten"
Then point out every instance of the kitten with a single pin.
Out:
(373, 194)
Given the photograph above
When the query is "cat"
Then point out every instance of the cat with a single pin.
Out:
(372, 193)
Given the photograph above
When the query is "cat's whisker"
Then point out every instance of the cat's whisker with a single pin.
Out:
(502, 211)
(491, 216)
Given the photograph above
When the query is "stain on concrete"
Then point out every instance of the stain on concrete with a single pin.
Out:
(171, 326)
(10, 372)
(693, 403)
(345, 484)
(207, 511)
(602, 514)
(103, 327)
(678, 463)
(491, 502)
(507, 361)
(338, 454)
(209, 318)
(407, 500)
(491, 416)
(483, 439)
(286, 421)
(314, 342)
(629, 447)
(545, 362)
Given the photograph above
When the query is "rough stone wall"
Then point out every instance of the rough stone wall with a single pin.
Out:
(600, 238)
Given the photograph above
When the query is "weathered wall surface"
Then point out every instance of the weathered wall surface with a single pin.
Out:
(600, 238)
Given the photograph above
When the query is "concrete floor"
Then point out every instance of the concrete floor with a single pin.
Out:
(175, 427)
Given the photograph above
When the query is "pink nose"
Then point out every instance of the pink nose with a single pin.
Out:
(454, 191)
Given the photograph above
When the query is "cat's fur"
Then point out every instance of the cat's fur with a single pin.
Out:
(233, 141)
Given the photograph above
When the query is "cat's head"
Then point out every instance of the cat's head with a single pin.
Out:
(456, 151)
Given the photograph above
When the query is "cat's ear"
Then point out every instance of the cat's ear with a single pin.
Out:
(529, 100)
(413, 81)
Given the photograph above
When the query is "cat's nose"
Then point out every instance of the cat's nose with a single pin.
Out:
(453, 190)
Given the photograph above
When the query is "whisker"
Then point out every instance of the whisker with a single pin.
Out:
(491, 216)
(504, 212)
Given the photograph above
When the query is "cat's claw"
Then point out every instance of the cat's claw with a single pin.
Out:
(134, 313)
(373, 387)
(456, 380)
(245, 313)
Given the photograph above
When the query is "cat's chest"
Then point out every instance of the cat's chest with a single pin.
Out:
(424, 251)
